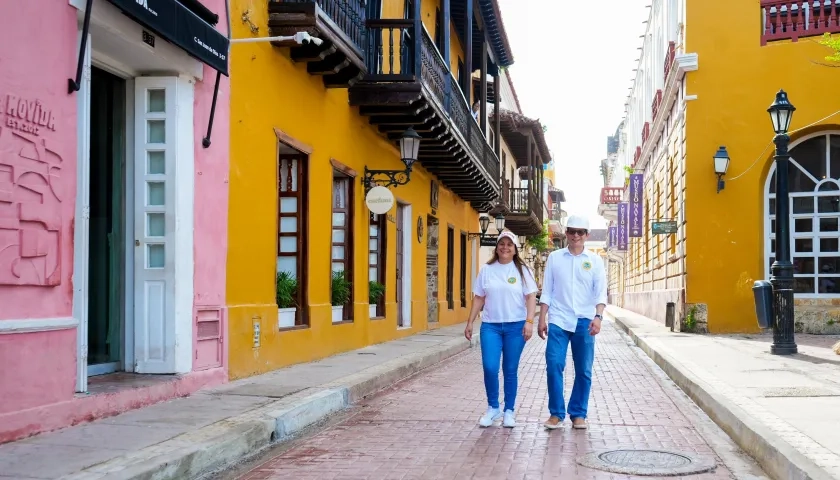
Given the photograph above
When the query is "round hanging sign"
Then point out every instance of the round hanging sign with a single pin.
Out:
(379, 200)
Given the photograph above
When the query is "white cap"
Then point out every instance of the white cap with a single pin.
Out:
(578, 221)
(508, 234)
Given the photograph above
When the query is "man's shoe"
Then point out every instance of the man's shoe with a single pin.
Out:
(510, 420)
(553, 423)
(579, 423)
(491, 416)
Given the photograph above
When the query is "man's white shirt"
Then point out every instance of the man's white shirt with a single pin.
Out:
(572, 286)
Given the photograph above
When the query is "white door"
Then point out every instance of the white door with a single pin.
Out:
(154, 224)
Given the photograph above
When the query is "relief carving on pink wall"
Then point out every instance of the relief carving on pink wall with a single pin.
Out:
(30, 197)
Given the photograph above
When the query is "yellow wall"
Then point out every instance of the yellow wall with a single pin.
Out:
(269, 91)
(736, 81)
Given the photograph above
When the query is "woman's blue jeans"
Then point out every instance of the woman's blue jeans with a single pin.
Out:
(501, 347)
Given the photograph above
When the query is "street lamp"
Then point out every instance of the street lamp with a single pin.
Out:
(781, 272)
(500, 222)
(721, 166)
(484, 222)
(409, 151)
(556, 242)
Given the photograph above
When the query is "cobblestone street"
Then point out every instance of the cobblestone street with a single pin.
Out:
(426, 427)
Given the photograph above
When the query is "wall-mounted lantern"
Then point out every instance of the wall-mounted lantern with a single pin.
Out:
(557, 242)
(484, 224)
(721, 166)
(409, 151)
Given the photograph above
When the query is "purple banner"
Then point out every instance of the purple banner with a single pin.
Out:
(636, 200)
(612, 238)
(623, 211)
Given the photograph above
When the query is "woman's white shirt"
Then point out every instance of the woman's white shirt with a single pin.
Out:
(504, 292)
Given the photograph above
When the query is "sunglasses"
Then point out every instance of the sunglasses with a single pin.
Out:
(574, 231)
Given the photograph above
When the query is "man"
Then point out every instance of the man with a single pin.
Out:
(573, 298)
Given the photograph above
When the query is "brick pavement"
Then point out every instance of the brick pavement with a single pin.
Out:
(426, 427)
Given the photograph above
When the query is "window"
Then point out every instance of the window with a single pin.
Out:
(450, 267)
(438, 32)
(814, 179)
(463, 271)
(376, 253)
(342, 240)
(292, 179)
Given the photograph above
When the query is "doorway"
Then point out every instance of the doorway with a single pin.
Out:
(400, 261)
(432, 225)
(106, 259)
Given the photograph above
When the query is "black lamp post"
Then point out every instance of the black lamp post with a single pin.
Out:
(781, 272)
(409, 151)
(484, 224)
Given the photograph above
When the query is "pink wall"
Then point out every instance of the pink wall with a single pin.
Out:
(37, 171)
(211, 198)
(37, 199)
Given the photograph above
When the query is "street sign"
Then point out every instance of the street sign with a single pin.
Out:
(663, 227)
(489, 241)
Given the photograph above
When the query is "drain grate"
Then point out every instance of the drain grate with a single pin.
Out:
(646, 462)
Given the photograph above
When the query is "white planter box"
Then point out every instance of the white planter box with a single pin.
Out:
(337, 314)
(286, 317)
(372, 310)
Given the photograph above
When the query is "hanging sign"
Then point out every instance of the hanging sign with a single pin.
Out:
(623, 210)
(636, 200)
(379, 200)
(612, 238)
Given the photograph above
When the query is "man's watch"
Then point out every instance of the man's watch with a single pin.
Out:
(598, 316)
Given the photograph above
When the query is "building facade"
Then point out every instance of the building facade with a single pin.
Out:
(314, 126)
(694, 93)
(112, 211)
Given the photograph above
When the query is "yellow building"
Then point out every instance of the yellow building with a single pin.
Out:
(706, 81)
(316, 119)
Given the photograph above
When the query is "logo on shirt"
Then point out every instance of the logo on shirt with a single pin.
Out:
(587, 265)
(512, 280)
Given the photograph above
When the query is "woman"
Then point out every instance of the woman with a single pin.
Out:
(505, 289)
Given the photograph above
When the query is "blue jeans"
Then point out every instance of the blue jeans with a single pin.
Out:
(583, 354)
(501, 341)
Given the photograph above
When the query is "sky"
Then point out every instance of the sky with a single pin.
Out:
(573, 68)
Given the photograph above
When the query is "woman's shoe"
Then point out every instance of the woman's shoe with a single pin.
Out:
(491, 416)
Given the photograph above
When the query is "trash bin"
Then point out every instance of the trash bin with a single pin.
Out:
(763, 293)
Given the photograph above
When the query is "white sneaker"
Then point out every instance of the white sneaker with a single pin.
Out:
(491, 416)
(510, 420)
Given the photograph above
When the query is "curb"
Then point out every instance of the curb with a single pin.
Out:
(224, 443)
(776, 457)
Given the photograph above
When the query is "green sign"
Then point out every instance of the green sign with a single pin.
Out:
(664, 227)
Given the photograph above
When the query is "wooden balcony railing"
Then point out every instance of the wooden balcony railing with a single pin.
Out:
(526, 201)
(790, 20)
(670, 57)
(611, 195)
(657, 102)
(645, 133)
(348, 15)
(392, 46)
(506, 193)
(637, 156)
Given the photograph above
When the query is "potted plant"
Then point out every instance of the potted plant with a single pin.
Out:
(286, 294)
(375, 293)
(340, 295)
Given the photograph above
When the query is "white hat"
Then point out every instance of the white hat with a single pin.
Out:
(508, 234)
(578, 221)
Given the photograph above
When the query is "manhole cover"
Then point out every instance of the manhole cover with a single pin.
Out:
(646, 462)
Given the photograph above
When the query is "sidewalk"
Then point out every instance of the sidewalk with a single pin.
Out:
(782, 410)
(217, 427)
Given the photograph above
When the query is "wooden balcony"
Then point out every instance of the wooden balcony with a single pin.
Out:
(611, 195)
(645, 132)
(792, 20)
(341, 26)
(409, 84)
(637, 156)
(657, 102)
(670, 58)
(526, 212)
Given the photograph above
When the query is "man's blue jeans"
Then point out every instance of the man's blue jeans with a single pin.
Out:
(501, 341)
(583, 354)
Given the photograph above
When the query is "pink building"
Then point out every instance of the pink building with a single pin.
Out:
(113, 208)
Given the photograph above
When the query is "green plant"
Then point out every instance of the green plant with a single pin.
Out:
(286, 290)
(834, 44)
(375, 292)
(340, 289)
(691, 319)
(539, 241)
